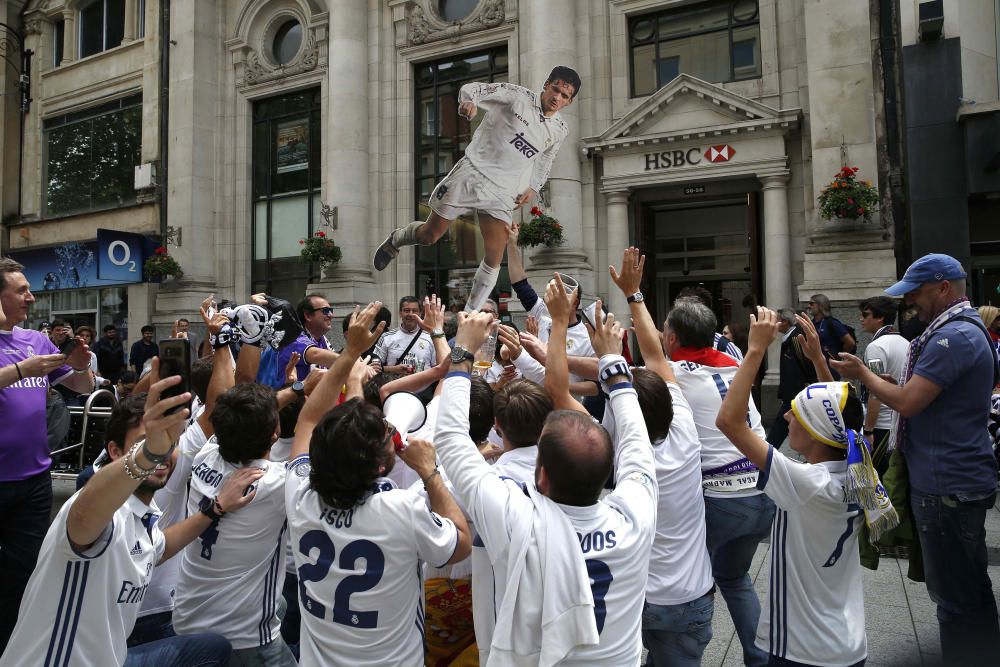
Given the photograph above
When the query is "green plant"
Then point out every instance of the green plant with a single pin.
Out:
(161, 265)
(320, 248)
(847, 197)
(542, 229)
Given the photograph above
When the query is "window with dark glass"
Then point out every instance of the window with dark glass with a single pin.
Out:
(102, 26)
(456, 10)
(447, 267)
(58, 39)
(716, 41)
(90, 157)
(286, 191)
(287, 41)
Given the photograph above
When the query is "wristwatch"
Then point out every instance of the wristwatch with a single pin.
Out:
(210, 508)
(299, 388)
(460, 354)
(437, 333)
(636, 298)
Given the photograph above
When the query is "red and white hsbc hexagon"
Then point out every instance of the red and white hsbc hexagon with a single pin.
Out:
(721, 153)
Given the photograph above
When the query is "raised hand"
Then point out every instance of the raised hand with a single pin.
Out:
(763, 329)
(291, 374)
(473, 330)
(557, 301)
(630, 278)
(215, 323)
(315, 375)
(850, 367)
(531, 325)
(433, 318)
(259, 299)
(515, 231)
(359, 334)
(419, 455)
(607, 335)
(809, 339)
(534, 346)
(511, 342)
(467, 110)
(162, 429)
(79, 358)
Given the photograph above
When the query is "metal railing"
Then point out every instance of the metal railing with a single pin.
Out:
(98, 407)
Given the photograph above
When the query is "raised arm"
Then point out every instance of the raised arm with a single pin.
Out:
(813, 349)
(222, 379)
(324, 396)
(629, 281)
(111, 486)
(732, 417)
(515, 264)
(556, 369)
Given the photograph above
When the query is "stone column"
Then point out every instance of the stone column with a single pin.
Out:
(346, 144)
(777, 258)
(548, 39)
(69, 36)
(617, 237)
(131, 22)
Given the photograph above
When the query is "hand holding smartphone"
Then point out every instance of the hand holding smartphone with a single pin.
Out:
(175, 359)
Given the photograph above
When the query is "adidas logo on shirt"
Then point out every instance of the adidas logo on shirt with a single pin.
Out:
(136, 550)
(943, 342)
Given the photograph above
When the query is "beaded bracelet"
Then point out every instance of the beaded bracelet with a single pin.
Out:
(135, 471)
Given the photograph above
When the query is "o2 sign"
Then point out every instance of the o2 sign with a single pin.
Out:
(119, 256)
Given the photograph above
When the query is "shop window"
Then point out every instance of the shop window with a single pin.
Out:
(287, 178)
(287, 42)
(102, 26)
(717, 41)
(90, 157)
(456, 10)
(441, 137)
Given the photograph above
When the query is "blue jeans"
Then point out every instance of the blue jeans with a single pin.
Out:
(26, 506)
(953, 540)
(677, 634)
(275, 654)
(734, 527)
(201, 650)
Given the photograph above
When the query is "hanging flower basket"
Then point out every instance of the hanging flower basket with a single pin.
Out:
(161, 265)
(847, 198)
(320, 248)
(542, 229)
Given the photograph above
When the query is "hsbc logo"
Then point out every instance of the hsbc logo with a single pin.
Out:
(722, 153)
(689, 157)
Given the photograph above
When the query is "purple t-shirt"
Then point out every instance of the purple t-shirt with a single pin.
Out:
(300, 345)
(24, 444)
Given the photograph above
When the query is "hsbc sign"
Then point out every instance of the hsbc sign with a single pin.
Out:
(690, 157)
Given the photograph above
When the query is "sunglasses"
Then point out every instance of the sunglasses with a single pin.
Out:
(327, 310)
(866, 314)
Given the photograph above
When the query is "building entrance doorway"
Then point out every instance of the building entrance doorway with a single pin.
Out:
(712, 244)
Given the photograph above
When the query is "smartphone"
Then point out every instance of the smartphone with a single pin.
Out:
(175, 359)
(68, 347)
(877, 366)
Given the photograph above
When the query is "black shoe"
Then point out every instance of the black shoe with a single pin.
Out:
(385, 253)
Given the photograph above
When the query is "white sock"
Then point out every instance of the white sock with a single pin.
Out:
(483, 283)
(407, 235)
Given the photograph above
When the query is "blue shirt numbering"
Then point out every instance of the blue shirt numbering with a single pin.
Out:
(947, 448)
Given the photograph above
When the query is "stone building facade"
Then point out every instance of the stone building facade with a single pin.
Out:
(703, 132)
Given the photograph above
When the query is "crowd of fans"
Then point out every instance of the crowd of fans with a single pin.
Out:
(457, 491)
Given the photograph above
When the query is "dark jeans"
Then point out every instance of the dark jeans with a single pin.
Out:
(151, 628)
(25, 511)
(953, 540)
(779, 428)
(677, 634)
(733, 529)
(773, 660)
(293, 619)
(201, 650)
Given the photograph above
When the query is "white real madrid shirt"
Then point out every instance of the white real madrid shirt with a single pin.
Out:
(393, 343)
(514, 137)
(814, 610)
(231, 575)
(80, 606)
(704, 388)
(361, 589)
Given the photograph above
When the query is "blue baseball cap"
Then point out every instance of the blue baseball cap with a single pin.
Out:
(932, 268)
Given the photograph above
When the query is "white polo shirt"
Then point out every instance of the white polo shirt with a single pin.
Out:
(80, 606)
(814, 610)
(361, 588)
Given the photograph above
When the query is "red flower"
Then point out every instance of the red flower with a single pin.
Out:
(854, 169)
(535, 210)
(861, 211)
(301, 241)
(321, 234)
(850, 201)
(161, 251)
